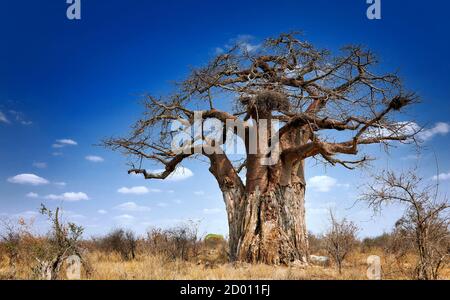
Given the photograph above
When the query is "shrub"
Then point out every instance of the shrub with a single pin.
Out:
(384, 242)
(180, 242)
(123, 242)
(10, 237)
(316, 244)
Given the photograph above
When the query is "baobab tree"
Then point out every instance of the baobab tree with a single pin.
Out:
(311, 93)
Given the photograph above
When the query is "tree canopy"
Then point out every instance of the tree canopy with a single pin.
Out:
(308, 90)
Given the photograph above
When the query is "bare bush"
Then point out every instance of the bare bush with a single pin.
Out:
(424, 226)
(340, 239)
(384, 242)
(180, 242)
(44, 255)
(124, 242)
(10, 236)
(316, 244)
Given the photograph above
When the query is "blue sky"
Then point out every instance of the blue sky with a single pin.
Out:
(65, 85)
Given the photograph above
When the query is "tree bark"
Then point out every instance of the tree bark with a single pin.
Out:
(268, 227)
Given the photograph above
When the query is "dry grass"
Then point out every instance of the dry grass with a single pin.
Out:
(158, 257)
(113, 267)
(153, 267)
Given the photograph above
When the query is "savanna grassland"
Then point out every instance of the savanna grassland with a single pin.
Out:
(178, 254)
(154, 267)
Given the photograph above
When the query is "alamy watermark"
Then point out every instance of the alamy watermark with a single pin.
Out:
(374, 269)
(213, 136)
(374, 9)
(73, 270)
(73, 11)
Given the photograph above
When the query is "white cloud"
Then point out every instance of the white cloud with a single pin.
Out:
(132, 207)
(57, 154)
(28, 179)
(16, 117)
(162, 204)
(19, 117)
(396, 130)
(295, 72)
(94, 158)
(40, 165)
(409, 128)
(3, 118)
(219, 50)
(102, 211)
(244, 42)
(249, 47)
(136, 190)
(180, 173)
(442, 177)
(64, 142)
(211, 211)
(32, 195)
(440, 128)
(60, 183)
(68, 142)
(199, 193)
(124, 219)
(70, 197)
(322, 184)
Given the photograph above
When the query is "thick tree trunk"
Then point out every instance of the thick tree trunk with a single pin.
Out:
(268, 228)
(266, 216)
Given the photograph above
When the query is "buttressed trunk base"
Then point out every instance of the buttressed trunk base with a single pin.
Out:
(269, 228)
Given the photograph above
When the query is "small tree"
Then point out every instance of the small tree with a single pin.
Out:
(131, 242)
(180, 242)
(184, 239)
(340, 239)
(425, 223)
(123, 242)
(62, 242)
